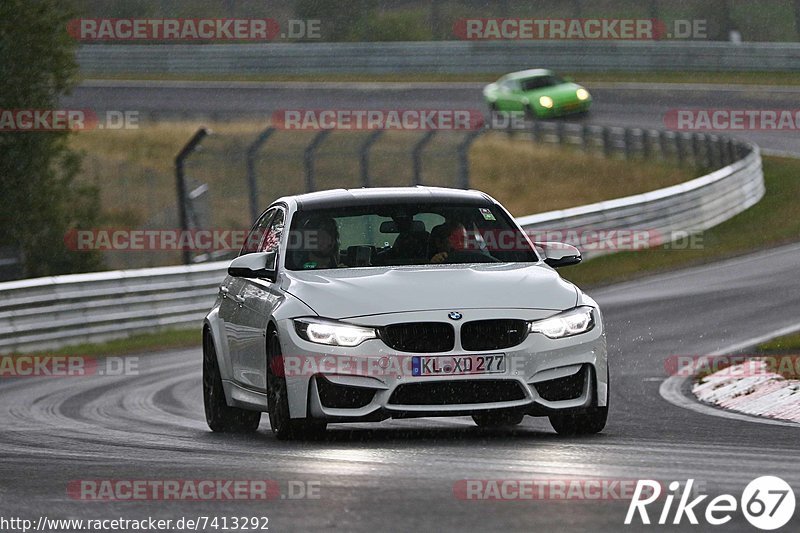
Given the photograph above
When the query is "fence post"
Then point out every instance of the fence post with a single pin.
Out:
(416, 155)
(252, 152)
(364, 154)
(463, 157)
(180, 184)
(308, 158)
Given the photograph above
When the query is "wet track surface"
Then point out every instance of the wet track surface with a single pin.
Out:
(400, 475)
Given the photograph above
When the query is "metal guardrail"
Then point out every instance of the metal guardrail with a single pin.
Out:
(446, 57)
(43, 313)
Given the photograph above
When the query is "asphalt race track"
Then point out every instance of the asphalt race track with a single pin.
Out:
(400, 475)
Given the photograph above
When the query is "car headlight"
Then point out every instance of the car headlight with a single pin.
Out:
(566, 324)
(582, 94)
(546, 102)
(332, 333)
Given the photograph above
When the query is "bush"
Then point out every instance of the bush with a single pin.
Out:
(39, 199)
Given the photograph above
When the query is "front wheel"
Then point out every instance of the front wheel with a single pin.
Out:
(587, 423)
(219, 416)
(284, 427)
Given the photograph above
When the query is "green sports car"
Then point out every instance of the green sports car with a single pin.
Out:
(539, 93)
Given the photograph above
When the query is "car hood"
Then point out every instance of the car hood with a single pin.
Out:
(556, 92)
(353, 292)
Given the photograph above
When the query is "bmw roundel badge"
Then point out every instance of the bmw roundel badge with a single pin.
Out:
(454, 315)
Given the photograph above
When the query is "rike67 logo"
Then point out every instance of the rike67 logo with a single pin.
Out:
(767, 502)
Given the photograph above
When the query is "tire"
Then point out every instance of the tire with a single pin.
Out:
(588, 422)
(283, 427)
(219, 416)
(498, 419)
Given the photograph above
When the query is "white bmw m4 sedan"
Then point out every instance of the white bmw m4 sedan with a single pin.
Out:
(367, 304)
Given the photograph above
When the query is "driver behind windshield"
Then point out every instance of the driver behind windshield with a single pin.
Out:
(321, 244)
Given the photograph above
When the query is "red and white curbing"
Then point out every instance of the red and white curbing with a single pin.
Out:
(760, 392)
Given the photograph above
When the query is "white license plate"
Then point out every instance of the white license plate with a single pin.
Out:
(457, 365)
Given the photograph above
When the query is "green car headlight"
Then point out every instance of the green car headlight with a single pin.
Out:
(582, 94)
(546, 102)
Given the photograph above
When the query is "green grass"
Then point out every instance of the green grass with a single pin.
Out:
(789, 343)
(722, 78)
(135, 344)
(775, 220)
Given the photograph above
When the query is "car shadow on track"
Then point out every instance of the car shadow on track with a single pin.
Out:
(377, 434)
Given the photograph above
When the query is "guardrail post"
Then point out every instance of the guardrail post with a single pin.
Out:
(364, 155)
(679, 146)
(608, 146)
(628, 141)
(560, 132)
(537, 131)
(696, 149)
(730, 156)
(463, 157)
(647, 144)
(252, 153)
(180, 184)
(308, 158)
(416, 155)
(586, 137)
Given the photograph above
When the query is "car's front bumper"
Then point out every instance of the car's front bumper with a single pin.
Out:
(374, 382)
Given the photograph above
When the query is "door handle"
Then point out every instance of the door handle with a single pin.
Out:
(238, 299)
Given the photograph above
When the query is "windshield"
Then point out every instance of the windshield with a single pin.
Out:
(540, 82)
(405, 234)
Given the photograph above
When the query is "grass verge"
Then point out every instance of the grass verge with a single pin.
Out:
(775, 220)
(789, 343)
(135, 344)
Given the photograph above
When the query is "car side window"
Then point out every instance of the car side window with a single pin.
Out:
(256, 234)
(509, 86)
(272, 237)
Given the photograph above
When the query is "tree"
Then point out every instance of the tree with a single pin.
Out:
(40, 200)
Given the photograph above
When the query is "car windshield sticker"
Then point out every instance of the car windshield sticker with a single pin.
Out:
(487, 214)
(310, 265)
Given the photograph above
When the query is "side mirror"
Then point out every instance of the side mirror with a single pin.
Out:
(255, 265)
(558, 254)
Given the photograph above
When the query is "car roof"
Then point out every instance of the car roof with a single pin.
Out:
(530, 73)
(389, 195)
